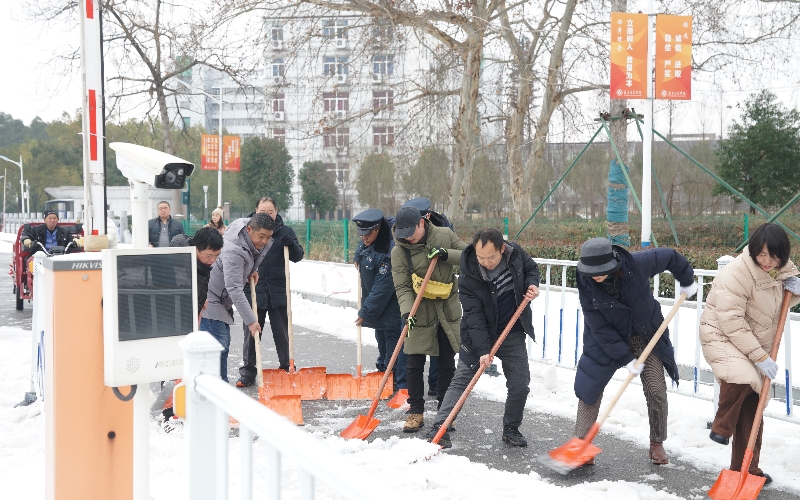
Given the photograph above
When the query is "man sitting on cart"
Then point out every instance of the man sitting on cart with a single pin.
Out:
(49, 234)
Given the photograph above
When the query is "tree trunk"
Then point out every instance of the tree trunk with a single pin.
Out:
(619, 133)
(169, 148)
(467, 128)
(515, 139)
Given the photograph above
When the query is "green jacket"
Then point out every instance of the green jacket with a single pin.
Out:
(431, 312)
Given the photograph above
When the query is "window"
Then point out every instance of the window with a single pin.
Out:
(187, 122)
(341, 171)
(278, 67)
(276, 32)
(383, 64)
(278, 103)
(279, 134)
(334, 28)
(336, 101)
(382, 136)
(335, 65)
(336, 137)
(382, 99)
(382, 30)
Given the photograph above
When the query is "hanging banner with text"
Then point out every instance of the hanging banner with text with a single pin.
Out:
(209, 152)
(628, 56)
(673, 70)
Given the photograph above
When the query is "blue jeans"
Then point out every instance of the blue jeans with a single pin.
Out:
(387, 341)
(222, 332)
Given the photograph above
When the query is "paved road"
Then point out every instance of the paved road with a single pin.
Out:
(621, 460)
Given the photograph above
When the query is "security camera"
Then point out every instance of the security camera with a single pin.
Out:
(152, 167)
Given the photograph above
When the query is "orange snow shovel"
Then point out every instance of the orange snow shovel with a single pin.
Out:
(286, 405)
(577, 451)
(308, 383)
(363, 425)
(454, 412)
(741, 485)
(346, 386)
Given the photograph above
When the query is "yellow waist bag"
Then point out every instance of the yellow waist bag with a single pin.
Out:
(433, 290)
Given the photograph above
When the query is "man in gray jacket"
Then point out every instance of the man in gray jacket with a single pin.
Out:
(247, 241)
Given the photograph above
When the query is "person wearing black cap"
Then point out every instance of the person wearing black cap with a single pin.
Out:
(49, 234)
(424, 207)
(620, 318)
(434, 329)
(379, 307)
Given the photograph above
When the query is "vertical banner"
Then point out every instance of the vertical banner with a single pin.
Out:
(231, 153)
(209, 152)
(93, 128)
(628, 56)
(673, 70)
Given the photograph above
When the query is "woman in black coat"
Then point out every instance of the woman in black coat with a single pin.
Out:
(271, 294)
(620, 318)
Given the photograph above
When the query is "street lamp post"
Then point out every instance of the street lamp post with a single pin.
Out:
(219, 151)
(205, 203)
(27, 198)
(21, 181)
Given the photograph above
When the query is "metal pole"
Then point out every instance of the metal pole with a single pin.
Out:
(219, 152)
(647, 150)
(21, 186)
(205, 203)
(5, 182)
(28, 197)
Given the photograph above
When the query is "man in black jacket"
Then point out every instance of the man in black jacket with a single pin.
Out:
(163, 228)
(271, 294)
(208, 245)
(495, 277)
(49, 234)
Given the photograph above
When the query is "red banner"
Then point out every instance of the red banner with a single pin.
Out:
(209, 152)
(628, 56)
(673, 57)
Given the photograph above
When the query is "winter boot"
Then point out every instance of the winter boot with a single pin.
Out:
(492, 371)
(512, 436)
(658, 455)
(444, 441)
(719, 439)
(414, 422)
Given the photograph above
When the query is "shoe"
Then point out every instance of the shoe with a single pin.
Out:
(512, 436)
(444, 441)
(719, 439)
(414, 422)
(589, 462)
(243, 383)
(762, 474)
(492, 371)
(658, 455)
(432, 391)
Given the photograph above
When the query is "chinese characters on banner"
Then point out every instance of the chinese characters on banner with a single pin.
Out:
(209, 152)
(673, 70)
(628, 56)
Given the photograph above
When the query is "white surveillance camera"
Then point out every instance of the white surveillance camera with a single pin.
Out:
(142, 164)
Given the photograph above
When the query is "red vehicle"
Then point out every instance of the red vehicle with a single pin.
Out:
(21, 268)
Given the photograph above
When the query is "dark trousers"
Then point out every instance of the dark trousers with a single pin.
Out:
(737, 411)
(433, 372)
(279, 322)
(514, 356)
(387, 341)
(655, 393)
(414, 374)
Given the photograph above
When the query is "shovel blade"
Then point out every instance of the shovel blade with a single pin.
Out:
(288, 406)
(399, 399)
(361, 428)
(308, 383)
(571, 455)
(343, 386)
(733, 485)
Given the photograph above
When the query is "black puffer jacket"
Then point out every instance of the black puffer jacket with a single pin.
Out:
(203, 270)
(174, 228)
(271, 286)
(479, 301)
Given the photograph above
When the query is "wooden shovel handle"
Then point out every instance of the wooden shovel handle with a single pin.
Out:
(358, 329)
(289, 327)
(259, 370)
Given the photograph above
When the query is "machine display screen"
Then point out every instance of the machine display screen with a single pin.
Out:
(154, 296)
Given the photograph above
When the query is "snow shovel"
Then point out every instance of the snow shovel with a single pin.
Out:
(308, 383)
(363, 425)
(346, 386)
(454, 412)
(577, 451)
(741, 485)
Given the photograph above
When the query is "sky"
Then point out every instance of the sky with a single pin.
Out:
(34, 88)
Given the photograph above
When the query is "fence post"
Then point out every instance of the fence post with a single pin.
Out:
(346, 238)
(505, 228)
(308, 238)
(746, 226)
(201, 356)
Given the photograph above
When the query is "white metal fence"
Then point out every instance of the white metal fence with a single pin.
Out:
(209, 402)
(560, 340)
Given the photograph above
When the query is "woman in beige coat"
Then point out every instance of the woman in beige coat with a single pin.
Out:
(736, 332)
